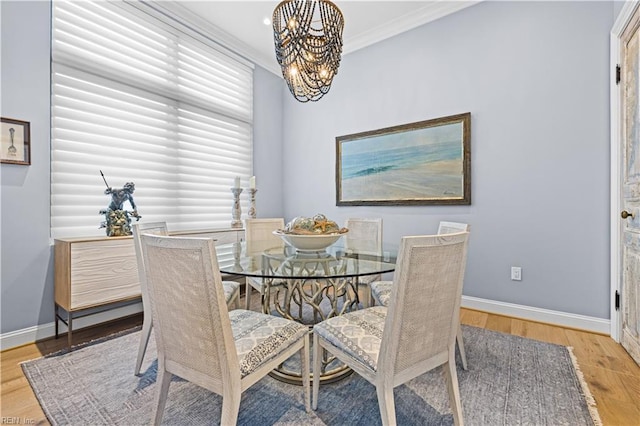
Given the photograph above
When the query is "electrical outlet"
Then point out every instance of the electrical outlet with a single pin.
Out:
(516, 273)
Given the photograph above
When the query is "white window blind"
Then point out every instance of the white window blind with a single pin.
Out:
(145, 103)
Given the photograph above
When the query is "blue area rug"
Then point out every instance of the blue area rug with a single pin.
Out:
(510, 381)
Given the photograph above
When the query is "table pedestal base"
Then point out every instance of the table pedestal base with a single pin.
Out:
(309, 301)
(296, 379)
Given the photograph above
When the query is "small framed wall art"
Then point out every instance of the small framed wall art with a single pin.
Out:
(15, 142)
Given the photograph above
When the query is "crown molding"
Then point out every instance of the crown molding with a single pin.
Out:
(430, 12)
(434, 10)
(215, 34)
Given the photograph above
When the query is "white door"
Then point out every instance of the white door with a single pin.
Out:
(630, 188)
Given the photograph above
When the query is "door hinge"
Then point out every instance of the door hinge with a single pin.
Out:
(617, 300)
(618, 74)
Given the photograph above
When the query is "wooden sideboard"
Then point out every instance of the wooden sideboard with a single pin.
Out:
(96, 272)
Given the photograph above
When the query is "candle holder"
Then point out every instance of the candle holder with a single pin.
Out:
(252, 209)
(236, 212)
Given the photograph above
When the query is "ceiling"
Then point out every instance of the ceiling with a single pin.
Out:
(241, 24)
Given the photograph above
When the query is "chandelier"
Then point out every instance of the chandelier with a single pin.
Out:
(308, 42)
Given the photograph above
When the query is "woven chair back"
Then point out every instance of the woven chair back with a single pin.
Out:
(365, 235)
(155, 228)
(453, 227)
(424, 306)
(191, 320)
(259, 233)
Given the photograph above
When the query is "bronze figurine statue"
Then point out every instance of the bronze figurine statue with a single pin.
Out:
(118, 220)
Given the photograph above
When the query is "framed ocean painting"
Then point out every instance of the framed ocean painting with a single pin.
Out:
(428, 162)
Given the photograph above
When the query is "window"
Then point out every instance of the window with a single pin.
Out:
(144, 102)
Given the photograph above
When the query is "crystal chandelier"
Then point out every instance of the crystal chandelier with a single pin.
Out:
(308, 42)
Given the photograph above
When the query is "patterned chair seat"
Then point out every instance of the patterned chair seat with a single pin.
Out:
(357, 333)
(259, 337)
(381, 292)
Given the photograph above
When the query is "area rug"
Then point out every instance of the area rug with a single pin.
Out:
(510, 381)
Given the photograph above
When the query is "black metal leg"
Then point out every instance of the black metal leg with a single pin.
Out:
(69, 324)
(56, 318)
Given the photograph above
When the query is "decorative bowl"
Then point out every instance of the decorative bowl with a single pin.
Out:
(317, 242)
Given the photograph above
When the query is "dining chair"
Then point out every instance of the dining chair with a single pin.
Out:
(259, 237)
(453, 227)
(389, 346)
(381, 290)
(365, 236)
(231, 288)
(199, 339)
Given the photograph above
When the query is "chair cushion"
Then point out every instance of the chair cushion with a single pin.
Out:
(358, 334)
(381, 292)
(260, 337)
(230, 288)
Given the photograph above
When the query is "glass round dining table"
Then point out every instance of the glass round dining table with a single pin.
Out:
(306, 286)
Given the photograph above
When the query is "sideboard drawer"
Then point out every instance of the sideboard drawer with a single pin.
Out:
(103, 272)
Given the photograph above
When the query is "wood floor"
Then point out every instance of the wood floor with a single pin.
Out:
(612, 376)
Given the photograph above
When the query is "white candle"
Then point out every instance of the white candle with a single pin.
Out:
(236, 183)
(252, 182)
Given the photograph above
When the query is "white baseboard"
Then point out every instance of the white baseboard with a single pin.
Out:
(597, 325)
(31, 334)
(564, 319)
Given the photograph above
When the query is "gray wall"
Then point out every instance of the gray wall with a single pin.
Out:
(26, 257)
(535, 77)
(267, 142)
(617, 7)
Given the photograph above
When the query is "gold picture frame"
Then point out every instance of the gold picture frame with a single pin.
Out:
(422, 163)
(15, 141)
